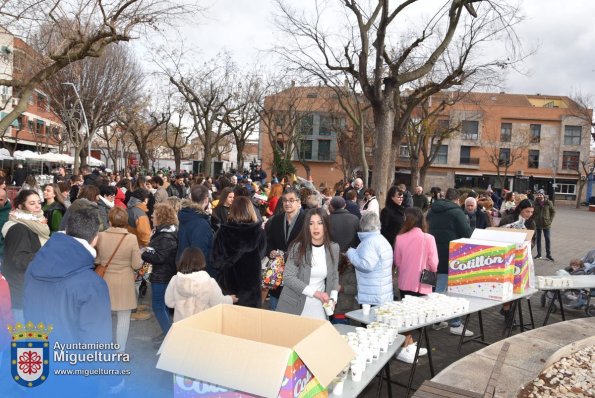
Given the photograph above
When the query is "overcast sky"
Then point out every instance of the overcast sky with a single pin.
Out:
(562, 31)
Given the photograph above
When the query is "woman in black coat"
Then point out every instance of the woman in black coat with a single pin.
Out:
(392, 216)
(161, 253)
(238, 249)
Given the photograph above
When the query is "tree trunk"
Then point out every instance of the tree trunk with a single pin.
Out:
(581, 185)
(384, 116)
(177, 158)
(422, 176)
(239, 157)
(362, 154)
(414, 167)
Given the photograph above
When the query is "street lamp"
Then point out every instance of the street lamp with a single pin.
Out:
(84, 119)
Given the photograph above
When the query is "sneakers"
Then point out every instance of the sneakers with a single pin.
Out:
(538, 257)
(441, 325)
(413, 347)
(140, 316)
(406, 355)
(550, 258)
(458, 330)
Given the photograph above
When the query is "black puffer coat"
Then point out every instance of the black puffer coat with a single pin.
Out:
(161, 253)
(391, 221)
(237, 252)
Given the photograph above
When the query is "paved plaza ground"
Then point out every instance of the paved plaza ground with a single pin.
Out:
(572, 236)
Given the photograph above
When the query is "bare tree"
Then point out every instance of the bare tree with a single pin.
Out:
(144, 125)
(385, 66)
(503, 153)
(243, 121)
(68, 31)
(106, 86)
(177, 136)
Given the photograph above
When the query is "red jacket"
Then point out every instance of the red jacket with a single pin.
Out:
(120, 197)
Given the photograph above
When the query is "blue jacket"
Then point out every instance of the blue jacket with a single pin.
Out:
(62, 289)
(373, 262)
(194, 231)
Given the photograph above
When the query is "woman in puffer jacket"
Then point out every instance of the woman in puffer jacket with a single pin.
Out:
(192, 290)
(373, 262)
(161, 254)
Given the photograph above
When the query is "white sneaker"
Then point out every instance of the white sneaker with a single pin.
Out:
(406, 355)
(412, 347)
(459, 331)
(441, 325)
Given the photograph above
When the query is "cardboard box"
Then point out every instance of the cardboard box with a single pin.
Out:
(481, 268)
(523, 261)
(234, 351)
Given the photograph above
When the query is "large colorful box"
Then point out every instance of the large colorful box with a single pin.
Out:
(523, 261)
(481, 268)
(233, 351)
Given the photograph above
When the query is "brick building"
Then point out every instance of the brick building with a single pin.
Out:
(38, 128)
(537, 140)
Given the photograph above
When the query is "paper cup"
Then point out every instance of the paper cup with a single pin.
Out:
(366, 309)
(338, 388)
(328, 309)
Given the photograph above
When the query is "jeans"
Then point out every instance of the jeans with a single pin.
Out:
(546, 235)
(159, 308)
(273, 301)
(342, 321)
(441, 285)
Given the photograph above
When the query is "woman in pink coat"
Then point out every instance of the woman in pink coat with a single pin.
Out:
(414, 250)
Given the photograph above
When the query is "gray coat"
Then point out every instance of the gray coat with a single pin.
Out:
(297, 276)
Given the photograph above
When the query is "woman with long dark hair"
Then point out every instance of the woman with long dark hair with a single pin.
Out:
(238, 249)
(24, 233)
(53, 208)
(392, 216)
(415, 250)
(311, 278)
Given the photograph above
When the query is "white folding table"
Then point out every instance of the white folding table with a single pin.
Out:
(578, 282)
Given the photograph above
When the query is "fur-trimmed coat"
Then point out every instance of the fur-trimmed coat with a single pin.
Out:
(237, 252)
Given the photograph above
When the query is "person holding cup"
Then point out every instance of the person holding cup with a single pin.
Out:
(311, 278)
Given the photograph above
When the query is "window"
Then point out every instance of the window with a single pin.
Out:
(404, 151)
(441, 155)
(504, 157)
(568, 189)
(324, 149)
(326, 125)
(470, 129)
(442, 126)
(306, 149)
(505, 132)
(535, 133)
(533, 159)
(572, 135)
(570, 160)
(31, 125)
(306, 124)
(466, 158)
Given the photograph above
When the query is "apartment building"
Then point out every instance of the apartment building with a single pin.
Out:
(514, 141)
(38, 128)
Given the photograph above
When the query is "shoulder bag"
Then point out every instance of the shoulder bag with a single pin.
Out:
(427, 277)
(100, 268)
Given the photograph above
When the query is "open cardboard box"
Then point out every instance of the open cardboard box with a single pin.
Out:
(255, 351)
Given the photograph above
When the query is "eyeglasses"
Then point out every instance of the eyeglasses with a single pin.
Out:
(292, 201)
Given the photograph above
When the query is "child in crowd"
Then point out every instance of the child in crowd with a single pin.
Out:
(192, 290)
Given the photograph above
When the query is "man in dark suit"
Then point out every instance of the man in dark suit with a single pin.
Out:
(282, 229)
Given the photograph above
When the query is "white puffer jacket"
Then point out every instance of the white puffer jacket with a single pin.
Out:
(192, 293)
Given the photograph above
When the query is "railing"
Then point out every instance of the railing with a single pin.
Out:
(469, 161)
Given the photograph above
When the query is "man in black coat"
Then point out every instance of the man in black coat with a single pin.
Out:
(344, 225)
(447, 222)
(19, 175)
(351, 203)
(282, 229)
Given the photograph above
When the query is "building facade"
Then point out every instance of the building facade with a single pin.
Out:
(511, 141)
(38, 128)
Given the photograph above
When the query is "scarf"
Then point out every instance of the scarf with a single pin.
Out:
(33, 221)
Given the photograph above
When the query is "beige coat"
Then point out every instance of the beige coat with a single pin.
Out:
(119, 275)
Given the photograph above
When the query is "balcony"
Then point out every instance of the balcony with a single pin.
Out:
(469, 161)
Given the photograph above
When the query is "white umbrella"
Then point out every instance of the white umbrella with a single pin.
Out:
(5, 154)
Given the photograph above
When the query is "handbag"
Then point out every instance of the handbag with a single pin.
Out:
(100, 268)
(272, 274)
(427, 277)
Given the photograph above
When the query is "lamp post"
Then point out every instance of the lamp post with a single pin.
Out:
(84, 118)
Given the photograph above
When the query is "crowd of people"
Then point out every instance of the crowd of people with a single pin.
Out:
(200, 242)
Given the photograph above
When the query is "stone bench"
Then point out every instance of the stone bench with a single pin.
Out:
(528, 354)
